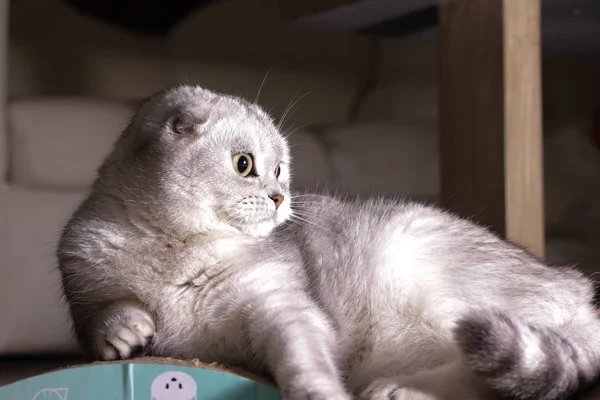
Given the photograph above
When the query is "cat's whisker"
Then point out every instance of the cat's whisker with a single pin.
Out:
(261, 86)
(233, 213)
(295, 216)
(270, 112)
(292, 104)
(229, 219)
(238, 216)
(306, 204)
(288, 134)
(307, 201)
(319, 226)
(308, 210)
(308, 195)
(304, 225)
(295, 103)
(287, 109)
(310, 215)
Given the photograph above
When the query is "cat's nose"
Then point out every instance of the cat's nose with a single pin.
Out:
(278, 199)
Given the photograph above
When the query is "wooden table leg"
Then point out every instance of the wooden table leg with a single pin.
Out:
(4, 4)
(491, 129)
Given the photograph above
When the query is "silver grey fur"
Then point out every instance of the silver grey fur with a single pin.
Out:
(173, 253)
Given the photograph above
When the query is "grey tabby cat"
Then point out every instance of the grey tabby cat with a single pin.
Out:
(184, 248)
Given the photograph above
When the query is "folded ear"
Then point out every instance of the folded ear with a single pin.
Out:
(187, 122)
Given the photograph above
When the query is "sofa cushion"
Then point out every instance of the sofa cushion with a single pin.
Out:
(33, 314)
(60, 141)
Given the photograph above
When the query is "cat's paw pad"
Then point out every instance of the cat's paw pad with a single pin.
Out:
(125, 335)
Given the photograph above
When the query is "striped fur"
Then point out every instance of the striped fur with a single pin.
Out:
(521, 361)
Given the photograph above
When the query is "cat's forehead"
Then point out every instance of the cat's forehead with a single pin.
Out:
(248, 126)
(251, 135)
(241, 123)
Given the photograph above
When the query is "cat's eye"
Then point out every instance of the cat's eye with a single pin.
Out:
(277, 171)
(242, 164)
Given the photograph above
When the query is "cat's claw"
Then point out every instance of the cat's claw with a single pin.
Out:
(125, 336)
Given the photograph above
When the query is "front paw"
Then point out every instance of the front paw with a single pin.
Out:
(126, 332)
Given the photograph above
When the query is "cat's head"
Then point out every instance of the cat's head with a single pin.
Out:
(195, 160)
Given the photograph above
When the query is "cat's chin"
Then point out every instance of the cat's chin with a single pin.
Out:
(264, 227)
(261, 229)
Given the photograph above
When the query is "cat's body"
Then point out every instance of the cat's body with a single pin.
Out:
(173, 251)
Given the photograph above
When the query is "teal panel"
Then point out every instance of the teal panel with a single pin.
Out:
(137, 382)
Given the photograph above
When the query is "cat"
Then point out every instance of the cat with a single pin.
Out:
(191, 245)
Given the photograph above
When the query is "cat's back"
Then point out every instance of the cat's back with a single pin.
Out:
(401, 232)
(396, 275)
(403, 255)
(364, 228)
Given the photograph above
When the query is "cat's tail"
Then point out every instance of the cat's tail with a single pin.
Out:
(520, 361)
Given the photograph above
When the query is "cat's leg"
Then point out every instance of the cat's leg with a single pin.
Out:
(120, 331)
(299, 345)
(108, 319)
